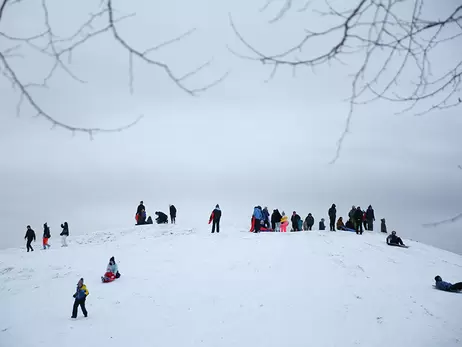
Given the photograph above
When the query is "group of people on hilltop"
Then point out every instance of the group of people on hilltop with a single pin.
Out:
(278, 222)
(30, 236)
(162, 218)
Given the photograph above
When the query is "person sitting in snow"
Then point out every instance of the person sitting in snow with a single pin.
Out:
(80, 296)
(340, 224)
(46, 236)
(141, 217)
(394, 240)
(162, 218)
(112, 271)
(322, 226)
(349, 226)
(446, 286)
(383, 226)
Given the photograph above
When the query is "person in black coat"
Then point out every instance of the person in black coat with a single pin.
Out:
(30, 236)
(295, 219)
(64, 234)
(358, 218)
(332, 217)
(309, 221)
(46, 235)
(370, 218)
(275, 219)
(172, 214)
(162, 218)
(215, 218)
(140, 208)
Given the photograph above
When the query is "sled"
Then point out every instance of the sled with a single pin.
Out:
(108, 277)
(447, 291)
(396, 245)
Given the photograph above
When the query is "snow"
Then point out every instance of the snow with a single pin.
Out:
(187, 287)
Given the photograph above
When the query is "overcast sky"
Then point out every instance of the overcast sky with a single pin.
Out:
(242, 143)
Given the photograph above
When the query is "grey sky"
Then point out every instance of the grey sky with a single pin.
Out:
(242, 143)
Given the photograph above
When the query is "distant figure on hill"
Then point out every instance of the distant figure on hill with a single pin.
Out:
(172, 214)
(295, 219)
(383, 226)
(358, 220)
(370, 218)
(140, 216)
(394, 240)
(162, 218)
(322, 226)
(46, 236)
(266, 217)
(284, 222)
(446, 286)
(64, 234)
(332, 216)
(276, 220)
(215, 218)
(309, 221)
(80, 296)
(30, 236)
(257, 219)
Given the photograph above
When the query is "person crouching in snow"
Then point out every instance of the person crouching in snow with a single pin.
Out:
(112, 271)
(80, 296)
(446, 286)
(322, 226)
(46, 236)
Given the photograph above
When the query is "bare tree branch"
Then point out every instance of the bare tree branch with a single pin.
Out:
(404, 43)
(60, 50)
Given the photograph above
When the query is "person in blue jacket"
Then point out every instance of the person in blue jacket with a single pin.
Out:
(266, 217)
(80, 296)
(446, 286)
(258, 218)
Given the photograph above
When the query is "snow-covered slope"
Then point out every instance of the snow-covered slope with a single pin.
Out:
(191, 288)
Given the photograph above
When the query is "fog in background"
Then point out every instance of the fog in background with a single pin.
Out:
(242, 143)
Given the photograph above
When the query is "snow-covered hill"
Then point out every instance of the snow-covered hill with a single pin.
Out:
(191, 288)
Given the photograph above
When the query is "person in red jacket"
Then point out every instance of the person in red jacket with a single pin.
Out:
(215, 218)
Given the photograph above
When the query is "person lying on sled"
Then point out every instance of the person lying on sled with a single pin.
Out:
(446, 286)
(112, 271)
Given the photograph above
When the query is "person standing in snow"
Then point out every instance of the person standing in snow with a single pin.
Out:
(172, 214)
(446, 286)
(332, 216)
(64, 234)
(284, 222)
(383, 226)
(257, 218)
(30, 236)
(46, 236)
(80, 296)
(276, 220)
(266, 217)
(309, 220)
(322, 226)
(295, 219)
(351, 215)
(215, 218)
(358, 218)
(370, 218)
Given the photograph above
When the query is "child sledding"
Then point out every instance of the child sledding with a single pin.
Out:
(112, 272)
(446, 286)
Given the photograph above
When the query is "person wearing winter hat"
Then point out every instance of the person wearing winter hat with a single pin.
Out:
(446, 286)
(322, 226)
(80, 296)
(215, 217)
(332, 216)
(46, 236)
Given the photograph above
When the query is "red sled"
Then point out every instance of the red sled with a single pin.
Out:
(108, 277)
